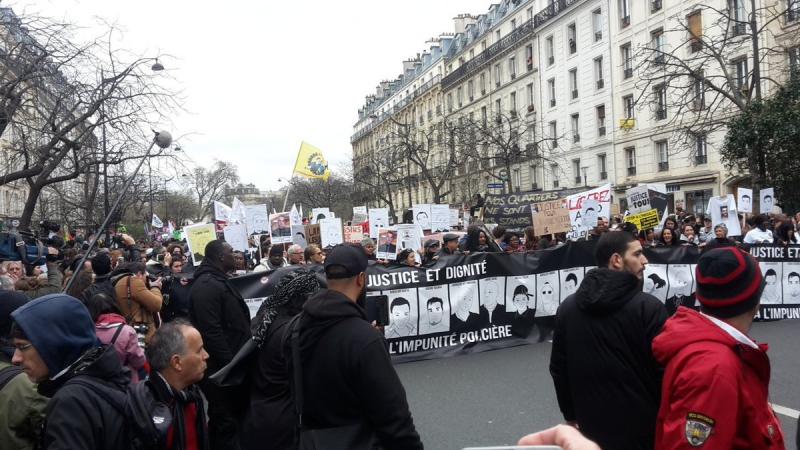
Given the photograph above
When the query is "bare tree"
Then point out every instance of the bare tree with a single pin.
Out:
(56, 94)
(377, 176)
(335, 193)
(207, 185)
(713, 70)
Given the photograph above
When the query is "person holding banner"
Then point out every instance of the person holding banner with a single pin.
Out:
(761, 234)
(606, 379)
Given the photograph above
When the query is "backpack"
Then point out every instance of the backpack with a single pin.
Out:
(8, 374)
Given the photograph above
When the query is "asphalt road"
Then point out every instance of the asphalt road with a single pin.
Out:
(494, 398)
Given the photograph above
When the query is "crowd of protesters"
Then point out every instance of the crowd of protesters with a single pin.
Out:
(142, 322)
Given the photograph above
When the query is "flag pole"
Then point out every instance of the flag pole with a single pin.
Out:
(289, 188)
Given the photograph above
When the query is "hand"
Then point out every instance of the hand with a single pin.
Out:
(37, 271)
(564, 436)
(376, 326)
(167, 259)
(156, 283)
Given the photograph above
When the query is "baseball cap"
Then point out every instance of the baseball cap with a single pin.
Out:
(729, 282)
(351, 259)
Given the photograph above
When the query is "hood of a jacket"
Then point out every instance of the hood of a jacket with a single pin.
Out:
(324, 309)
(604, 291)
(109, 319)
(59, 327)
(688, 326)
(99, 362)
(209, 270)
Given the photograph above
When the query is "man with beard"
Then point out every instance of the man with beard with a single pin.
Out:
(606, 379)
(401, 324)
(347, 377)
(436, 323)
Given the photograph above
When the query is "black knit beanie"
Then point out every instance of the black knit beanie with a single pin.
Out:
(729, 282)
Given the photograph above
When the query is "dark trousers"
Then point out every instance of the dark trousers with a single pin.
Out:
(226, 410)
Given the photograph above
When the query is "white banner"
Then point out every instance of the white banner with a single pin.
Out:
(318, 214)
(767, 200)
(222, 212)
(638, 199)
(744, 200)
(331, 231)
(256, 219)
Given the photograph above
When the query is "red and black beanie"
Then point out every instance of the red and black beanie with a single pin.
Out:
(729, 282)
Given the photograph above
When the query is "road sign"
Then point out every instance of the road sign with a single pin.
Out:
(495, 185)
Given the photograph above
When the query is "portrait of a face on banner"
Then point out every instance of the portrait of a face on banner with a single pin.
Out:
(387, 244)
(585, 208)
(744, 200)
(280, 228)
(331, 231)
(422, 216)
(299, 236)
(318, 214)
(378, 218)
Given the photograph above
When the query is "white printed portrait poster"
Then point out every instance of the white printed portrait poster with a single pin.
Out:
(680, 291)
(378, 218)
(409, 235)
(570, 280)
(387, 244)
(434, 307)
(722, 209)
(744, 200)
(256, 218)
(656, 281)
(422, 215)
(465, 312)
(440, 218)
(492, 299)
(773, 274)
(453, 217)
(236, 236)
(222, 212)
(318, 214)
(403, 313)
(299, 236)
(767, 200)
(547, 293)
(280, 228)
(791, 283)
(331, 231)
(359, 214)
(520, 294)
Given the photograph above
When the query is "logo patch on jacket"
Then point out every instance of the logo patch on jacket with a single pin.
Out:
(698, 428)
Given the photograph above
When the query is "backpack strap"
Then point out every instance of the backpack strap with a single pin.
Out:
(293, 335)
(7, 374)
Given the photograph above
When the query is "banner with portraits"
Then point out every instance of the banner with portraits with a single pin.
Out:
(483, 301)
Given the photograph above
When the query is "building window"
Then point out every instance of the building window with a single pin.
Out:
(459, 96)
(630, 160)
(450, 102)
(601, 165)
(554, 172)
(695, 23)
(529, 57)
(513, 24)
(498, 110)
(794, 60)
(628, 106)
(553, 135)
(549, 50)
(598, 72)
(529, 13)
(792, 10)
(600, 113)
(513, 99)
(497, 36)
(471, 90)
(597, 24)
(660, 94)
(700, 149)
(572, 39)
(627, 61)
(625, 13)
(529, 94)
(662, 156)
(573, 83)
(483, 115)
(534, 174)
(739, 15)
(699, 91)
(498, 73)
(655, 6)
(742, 74)
(551, 91)
(576, 170)
(471, 53)
(483, 83)
(512, 67)
(575, 122)
(483, 45)
(657, 44)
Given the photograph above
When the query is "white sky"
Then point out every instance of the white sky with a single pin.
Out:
(260, 77)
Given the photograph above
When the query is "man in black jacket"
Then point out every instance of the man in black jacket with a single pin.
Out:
(223, 319)
(348, 377)
(56, 346)
(101, 266)
(606, 379)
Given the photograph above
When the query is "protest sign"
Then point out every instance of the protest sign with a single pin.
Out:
(550, 217)
(256, 218)
(238, 212)
(722, 209)
(299, 236)
(353, 234)
(197, 237)
(409, 236)
(294, 215)
(313, 235)
(387, 244)
(318, 214)
(440, 218)
(422, 215)
(453, 217)
(280, 228)
(638, 199)
(378, 218)
(644, 221)
(767, 197)
(236, 236)
(359, 214)
(331, 231)
(584, 209)
(513, 211)
(222, 212)
(744, 200)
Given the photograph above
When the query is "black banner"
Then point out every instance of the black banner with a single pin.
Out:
(483, 301)
(513, 211)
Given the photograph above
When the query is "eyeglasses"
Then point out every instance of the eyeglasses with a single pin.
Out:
(23, 347)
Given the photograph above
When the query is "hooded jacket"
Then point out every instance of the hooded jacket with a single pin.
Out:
(137, 303)
(348, 376)
(127, 346)
(603, 369)
(87, 383)
(220, 314)
(715, 391)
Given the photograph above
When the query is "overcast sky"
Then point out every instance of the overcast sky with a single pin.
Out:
(260, 77)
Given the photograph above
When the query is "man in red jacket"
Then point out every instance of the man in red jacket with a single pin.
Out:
(715, 390)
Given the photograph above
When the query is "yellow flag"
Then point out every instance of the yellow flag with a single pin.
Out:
(310, 163)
